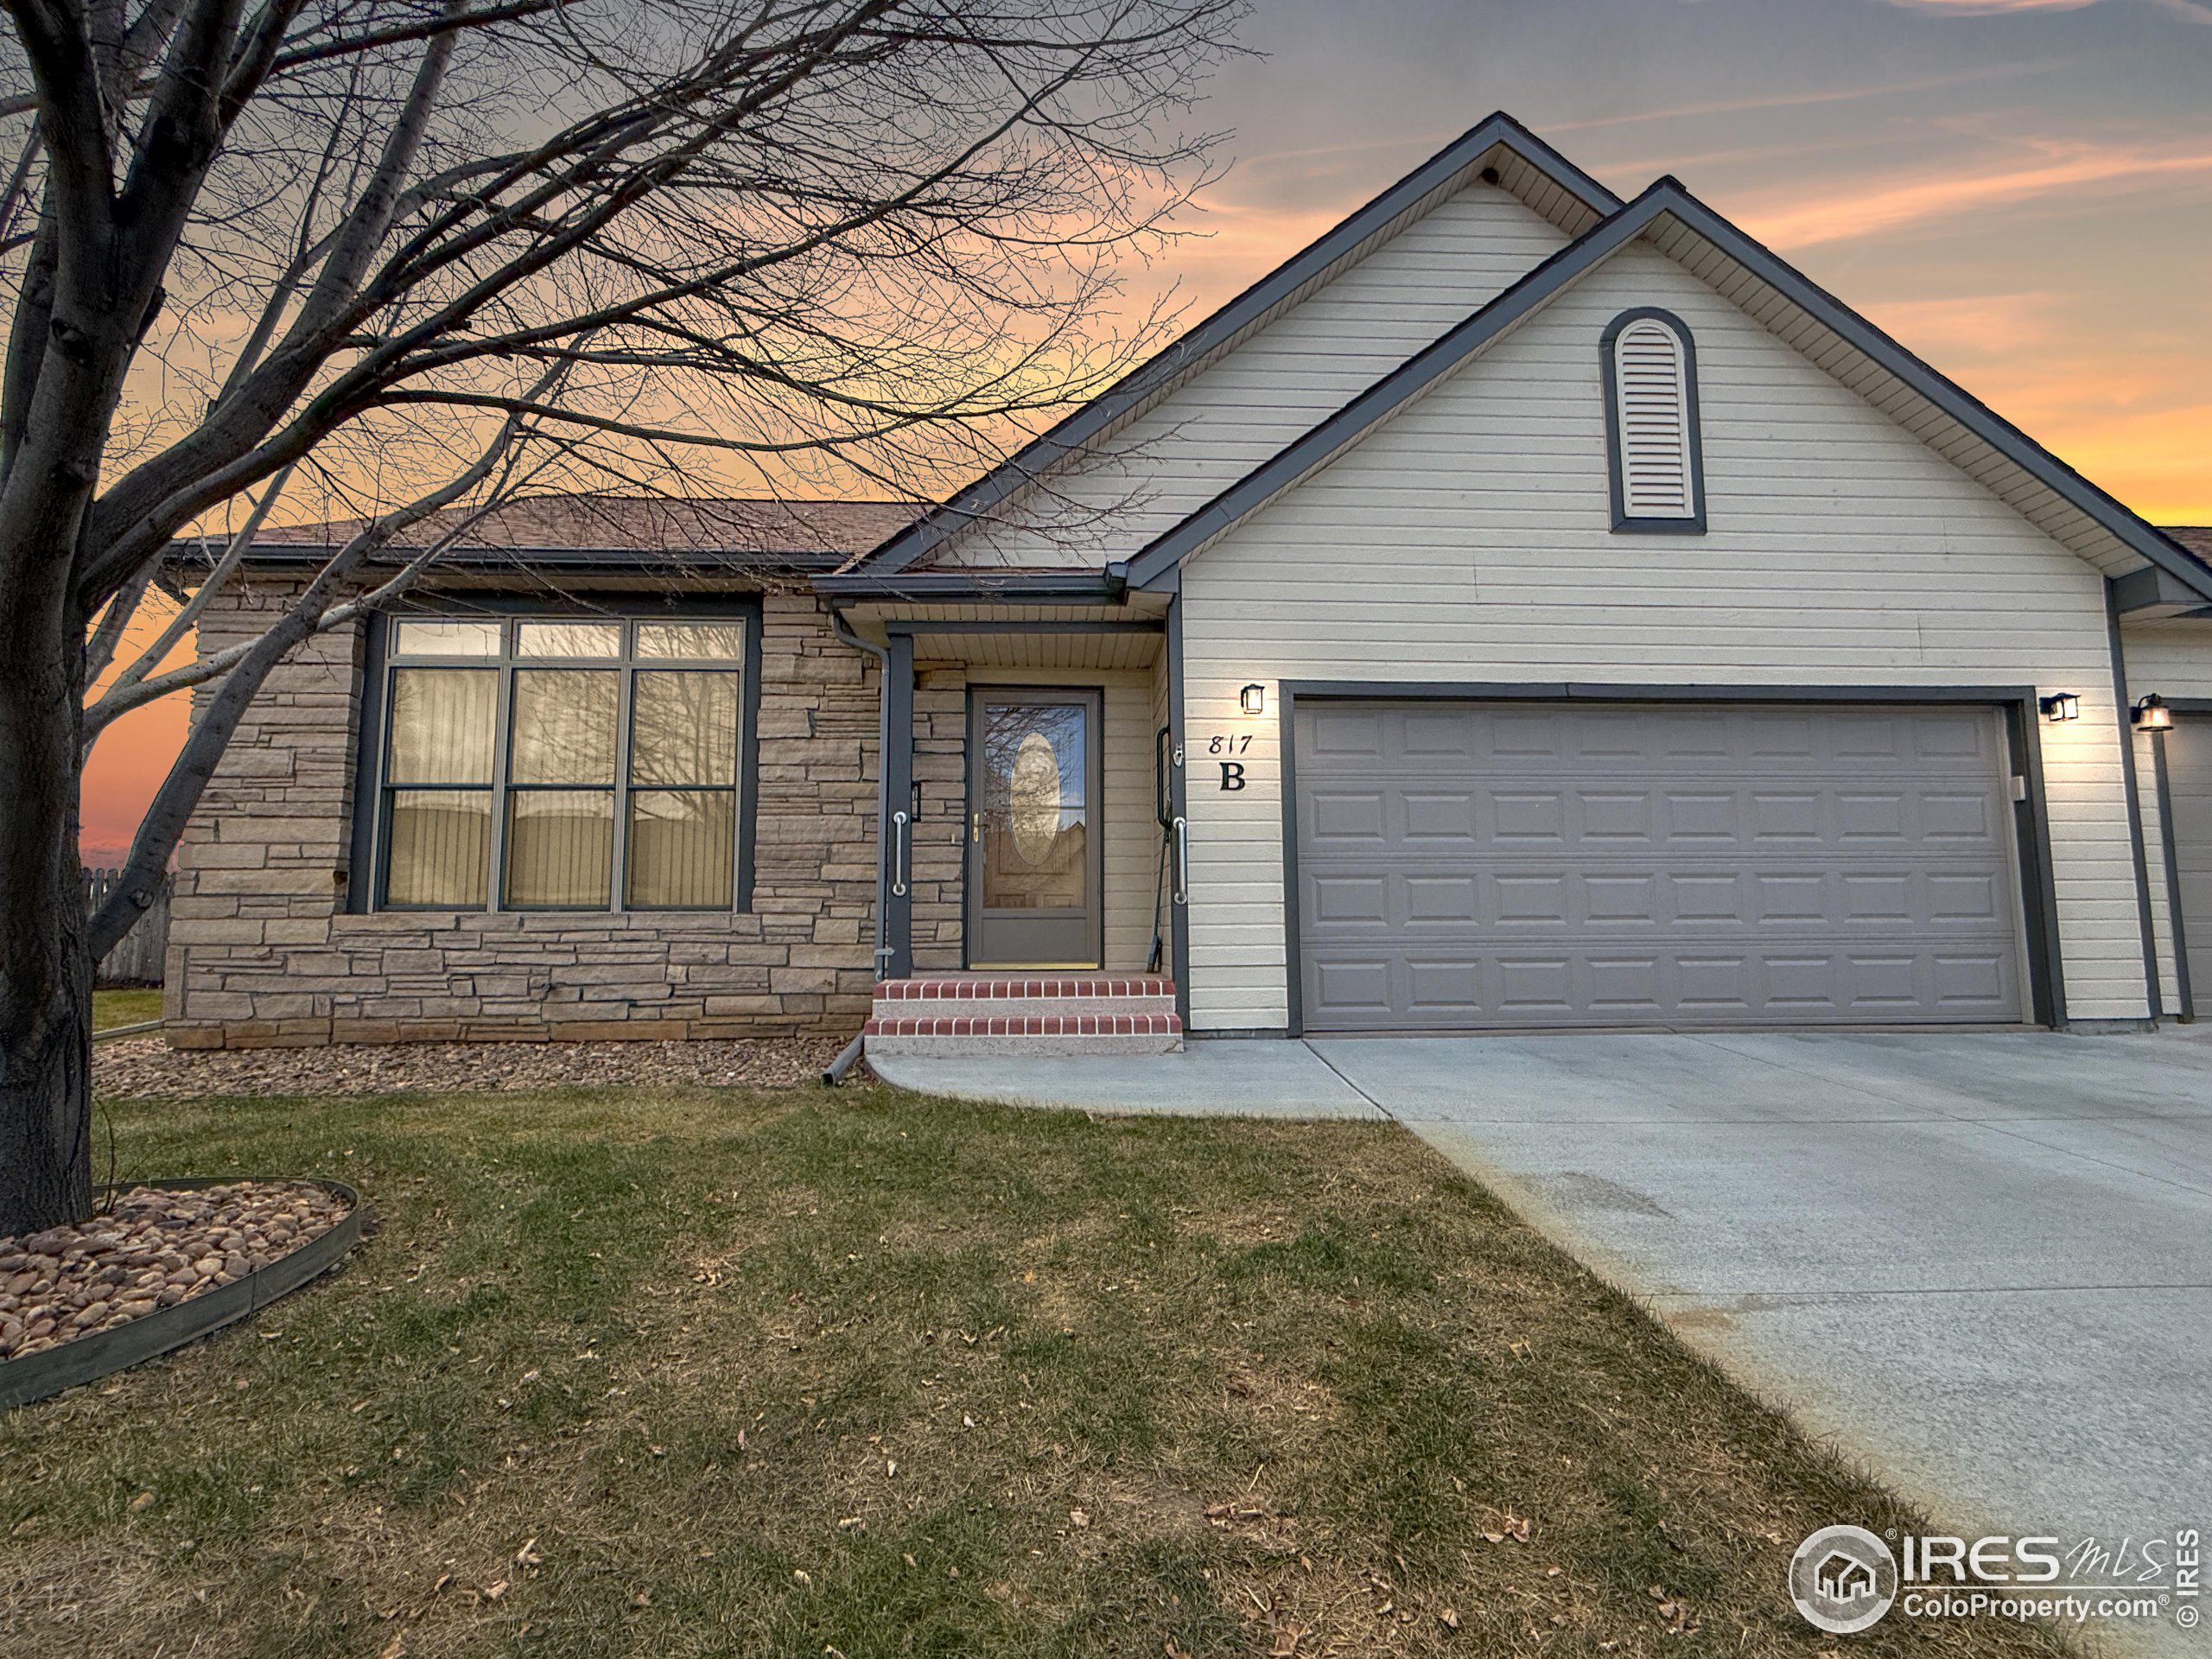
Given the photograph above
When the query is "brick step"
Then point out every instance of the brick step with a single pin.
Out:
(1033, 1024)
(944, 1035)
(1023, 996)
(968, 988)
(1022, 1007)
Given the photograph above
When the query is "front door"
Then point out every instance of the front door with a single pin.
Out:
(1033, 848)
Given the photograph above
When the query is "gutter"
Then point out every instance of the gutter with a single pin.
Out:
(978, 586)
(834, 1073)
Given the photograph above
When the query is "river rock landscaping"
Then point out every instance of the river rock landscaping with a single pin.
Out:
(146, 1068)
(157, 1246)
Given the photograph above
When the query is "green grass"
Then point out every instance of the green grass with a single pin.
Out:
(703, 1372)
(124, 1008)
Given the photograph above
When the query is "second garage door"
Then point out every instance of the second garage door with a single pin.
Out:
(2189, 777)
(1465, 866)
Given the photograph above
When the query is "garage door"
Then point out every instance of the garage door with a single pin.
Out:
(2189, 786)
(1472, 864)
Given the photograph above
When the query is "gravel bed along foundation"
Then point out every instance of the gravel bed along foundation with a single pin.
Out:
(157, 1248)
(146, 1067)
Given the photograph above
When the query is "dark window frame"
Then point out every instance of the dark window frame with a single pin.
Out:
(367, 868)
(1692, 434)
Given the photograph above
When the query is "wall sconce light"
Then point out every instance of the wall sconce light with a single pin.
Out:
(2060, 705)
(2151, 713)
(1253, 699)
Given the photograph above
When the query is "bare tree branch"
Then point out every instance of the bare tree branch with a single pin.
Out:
(393, 255)
(242, 669)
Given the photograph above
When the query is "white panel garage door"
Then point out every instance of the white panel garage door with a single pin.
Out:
(1463, 865)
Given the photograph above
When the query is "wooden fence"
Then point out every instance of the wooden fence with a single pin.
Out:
(138, 959)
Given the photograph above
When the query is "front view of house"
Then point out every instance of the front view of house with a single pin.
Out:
(1522, 610)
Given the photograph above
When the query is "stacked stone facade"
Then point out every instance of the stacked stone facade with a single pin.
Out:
(939, 863)
(263, 950)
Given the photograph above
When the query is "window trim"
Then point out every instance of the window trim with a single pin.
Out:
(366, 872)
(1692, 434)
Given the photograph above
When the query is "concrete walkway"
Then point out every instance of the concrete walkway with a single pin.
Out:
(1981, 1262)
(1240, 1079)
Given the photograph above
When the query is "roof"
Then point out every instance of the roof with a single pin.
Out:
(2197, 538)
(1969, 434)
(1525, 164)
(795, 532)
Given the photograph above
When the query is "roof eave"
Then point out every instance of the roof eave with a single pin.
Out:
(186, 553)
(980, 586)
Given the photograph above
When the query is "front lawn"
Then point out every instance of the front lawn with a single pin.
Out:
(809, 1373)
(125, 1008)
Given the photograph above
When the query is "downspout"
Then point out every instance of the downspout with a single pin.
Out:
(834, 1073)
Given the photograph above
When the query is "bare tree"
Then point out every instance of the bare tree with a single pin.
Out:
(406, 254)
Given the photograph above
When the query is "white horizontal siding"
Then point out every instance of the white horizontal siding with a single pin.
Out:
(2173, 659)
(1267, 391)
(1469, 539)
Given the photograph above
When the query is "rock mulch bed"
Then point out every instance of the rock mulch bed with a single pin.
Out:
(156, 1249)
(146, 1067)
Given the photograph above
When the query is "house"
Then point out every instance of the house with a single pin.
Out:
(1523, 609)
(1844, 1579)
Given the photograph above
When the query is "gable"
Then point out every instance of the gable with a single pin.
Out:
(1500, 469)
(1497, 151)
(1255, 398)
(1856, 355)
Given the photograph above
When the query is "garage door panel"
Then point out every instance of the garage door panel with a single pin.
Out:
(1524, 880)
(1433, 899)
(1527, 816)
(1439, 817)
(1958, 817)
(1443, 985)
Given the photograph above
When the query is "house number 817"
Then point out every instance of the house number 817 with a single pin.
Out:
(1232, 771)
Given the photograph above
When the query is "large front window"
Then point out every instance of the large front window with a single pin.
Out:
(554, 764)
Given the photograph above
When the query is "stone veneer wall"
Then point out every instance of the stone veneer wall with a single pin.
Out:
(938, 866)
(263, 953)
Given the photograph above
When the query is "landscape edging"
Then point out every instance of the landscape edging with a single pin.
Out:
(88, 1358)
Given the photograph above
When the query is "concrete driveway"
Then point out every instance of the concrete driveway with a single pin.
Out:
(1980, 1261)
(1983, 1263)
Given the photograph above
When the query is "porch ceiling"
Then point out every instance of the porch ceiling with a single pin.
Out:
(872, 616)
(1130, 633)
(1129, 645)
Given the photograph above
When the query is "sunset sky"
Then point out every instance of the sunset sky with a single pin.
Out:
(2019, 190)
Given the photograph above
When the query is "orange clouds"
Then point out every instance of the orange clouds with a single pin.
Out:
(1985, 324)
(1797, 220)
(1983, 8)
(133, 755)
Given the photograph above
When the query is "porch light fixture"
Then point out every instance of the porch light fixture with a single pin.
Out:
(2060, 705)
(1253, 699)
(2151, 713)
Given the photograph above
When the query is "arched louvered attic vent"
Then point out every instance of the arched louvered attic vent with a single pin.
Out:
(1652, 434)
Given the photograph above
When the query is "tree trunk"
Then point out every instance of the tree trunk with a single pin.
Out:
(46, 972)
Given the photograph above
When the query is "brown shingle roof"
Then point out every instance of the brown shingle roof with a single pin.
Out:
(810, 529)
(2197, 538)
